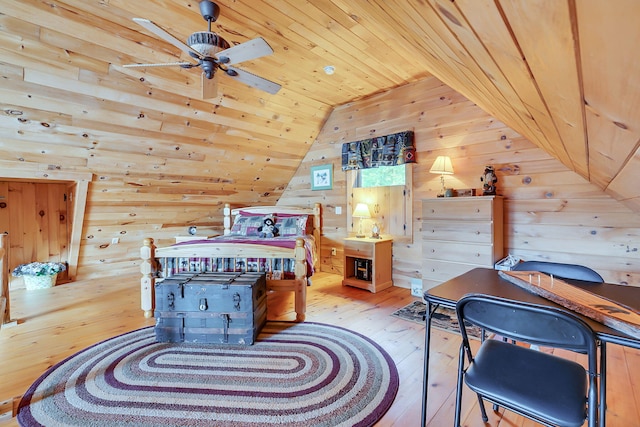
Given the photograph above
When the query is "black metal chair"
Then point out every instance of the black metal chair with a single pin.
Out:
(540, 386)
(574, 272)
(562, 271)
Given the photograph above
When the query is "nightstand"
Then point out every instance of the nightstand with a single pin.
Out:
(367, 263)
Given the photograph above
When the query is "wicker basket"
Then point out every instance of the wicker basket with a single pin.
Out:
(39, 282)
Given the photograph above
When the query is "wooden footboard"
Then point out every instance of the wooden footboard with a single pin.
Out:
(150, 255)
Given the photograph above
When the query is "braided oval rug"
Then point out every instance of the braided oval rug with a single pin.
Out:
(296, 374)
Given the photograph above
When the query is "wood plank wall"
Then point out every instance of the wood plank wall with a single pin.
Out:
(551, 213)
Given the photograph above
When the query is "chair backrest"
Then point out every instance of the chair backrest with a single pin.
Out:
(536, 324)
(563, 271)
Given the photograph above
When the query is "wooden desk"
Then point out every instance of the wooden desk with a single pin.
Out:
(487, 281)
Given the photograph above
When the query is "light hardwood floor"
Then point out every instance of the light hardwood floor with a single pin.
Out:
(58, 322)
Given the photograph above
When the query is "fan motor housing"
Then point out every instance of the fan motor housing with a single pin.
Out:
(207, 43)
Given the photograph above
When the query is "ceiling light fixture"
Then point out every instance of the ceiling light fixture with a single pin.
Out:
(329, 70)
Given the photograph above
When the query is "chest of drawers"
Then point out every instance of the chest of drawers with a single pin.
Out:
(459, 234)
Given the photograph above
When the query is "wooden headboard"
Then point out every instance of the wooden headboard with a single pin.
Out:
(315, 213)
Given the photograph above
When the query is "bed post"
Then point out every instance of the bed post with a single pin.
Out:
(301, 280)
(5, 300)
(317, 226)
(147, 253)
(227, 219)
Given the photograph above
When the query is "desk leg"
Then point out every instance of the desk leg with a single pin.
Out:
(431, 308)
(602, 410)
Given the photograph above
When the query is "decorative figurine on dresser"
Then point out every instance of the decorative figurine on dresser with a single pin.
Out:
(489, 178)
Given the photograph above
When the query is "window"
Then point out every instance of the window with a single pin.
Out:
(381, 177)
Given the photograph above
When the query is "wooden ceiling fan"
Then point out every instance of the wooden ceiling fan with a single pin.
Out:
(212, 53)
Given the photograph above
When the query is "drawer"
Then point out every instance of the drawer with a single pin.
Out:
(473, 232)
(478, 254)
(358, 249)
(440, 271)
(462, 209)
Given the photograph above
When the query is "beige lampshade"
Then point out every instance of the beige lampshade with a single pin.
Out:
(442, 165)
(361, 211)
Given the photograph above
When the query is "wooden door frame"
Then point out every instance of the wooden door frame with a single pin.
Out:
(80, 180)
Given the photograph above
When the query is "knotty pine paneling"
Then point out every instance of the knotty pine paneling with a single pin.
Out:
(551, 213)
(162, 158)
(544, 68)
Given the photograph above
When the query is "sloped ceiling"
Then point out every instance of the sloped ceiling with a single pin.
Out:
(564, 73)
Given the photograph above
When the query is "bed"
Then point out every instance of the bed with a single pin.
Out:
(250, 242)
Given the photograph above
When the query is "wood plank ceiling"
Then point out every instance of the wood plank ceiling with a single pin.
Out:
(564, 73)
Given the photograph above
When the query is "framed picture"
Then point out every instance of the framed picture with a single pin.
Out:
(322, 177)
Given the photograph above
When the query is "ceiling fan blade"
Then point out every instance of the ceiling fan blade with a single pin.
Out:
(166, 64)
(209, 86)
(253, 80)
(245, 51)
(166, 36)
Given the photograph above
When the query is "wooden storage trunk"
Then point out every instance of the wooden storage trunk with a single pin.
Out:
(216, 308)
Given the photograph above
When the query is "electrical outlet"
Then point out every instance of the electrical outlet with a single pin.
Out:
(334, 252)
(416, 287)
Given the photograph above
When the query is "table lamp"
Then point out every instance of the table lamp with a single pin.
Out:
(361, 211)
(443, 166)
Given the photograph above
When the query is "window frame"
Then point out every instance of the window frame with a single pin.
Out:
(397, 222)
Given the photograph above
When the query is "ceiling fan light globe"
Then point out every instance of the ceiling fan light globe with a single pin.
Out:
(207, 43)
